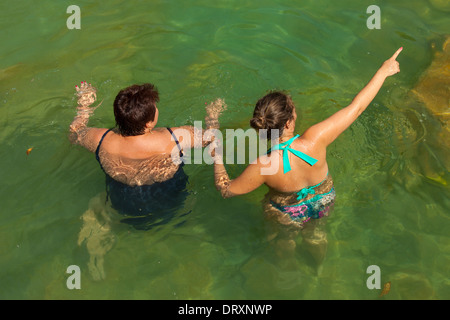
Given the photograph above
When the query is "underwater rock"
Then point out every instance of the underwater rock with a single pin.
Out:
(193, 280)
(411, 286)
(433, 89)
(259, 275)
(443, 5)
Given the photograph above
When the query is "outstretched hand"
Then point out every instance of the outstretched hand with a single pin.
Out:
(391, 66)
(215, 108)
(213, 111)
(87, 95)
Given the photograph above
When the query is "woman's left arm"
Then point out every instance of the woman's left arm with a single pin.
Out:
(248, 181)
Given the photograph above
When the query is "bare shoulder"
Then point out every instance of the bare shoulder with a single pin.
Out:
(90, 137)
(181, 129)
(96, 134)
(267, 164)
(263, 160)
(183, 134)
(312, 145)
(311, 136)
(188, 127)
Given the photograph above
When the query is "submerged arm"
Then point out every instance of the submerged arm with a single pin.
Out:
(213, 111)
(328, 130)
(222, 180)
(80, 133)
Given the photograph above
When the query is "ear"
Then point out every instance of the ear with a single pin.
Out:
(289, 124)
(150, 124)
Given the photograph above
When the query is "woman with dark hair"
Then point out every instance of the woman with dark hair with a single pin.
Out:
(301, 189)
(142, 163)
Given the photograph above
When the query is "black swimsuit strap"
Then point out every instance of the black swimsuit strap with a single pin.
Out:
(98, 147)
(98, 159)
(176, 141)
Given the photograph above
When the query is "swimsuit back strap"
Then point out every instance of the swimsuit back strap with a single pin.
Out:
(309, 190)
(310, 160)
(98, 159)
(176, 141)
(99, 144)
(285, 147)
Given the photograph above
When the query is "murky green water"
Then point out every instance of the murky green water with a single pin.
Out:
(390, 168)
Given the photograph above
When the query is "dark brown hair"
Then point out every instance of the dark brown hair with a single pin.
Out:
(273, 111)
(134, 107)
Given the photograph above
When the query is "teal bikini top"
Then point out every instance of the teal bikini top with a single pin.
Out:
(286, 147)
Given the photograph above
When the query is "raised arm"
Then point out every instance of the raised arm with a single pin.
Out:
(197, 137)
(327, 131)
(80, 133)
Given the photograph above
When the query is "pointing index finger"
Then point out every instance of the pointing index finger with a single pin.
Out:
(396, 53)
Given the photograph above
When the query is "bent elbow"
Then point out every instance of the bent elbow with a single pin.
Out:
(226, 194)
(73, 137)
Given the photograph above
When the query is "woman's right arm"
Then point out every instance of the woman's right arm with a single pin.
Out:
(197, 137)
(327, 131)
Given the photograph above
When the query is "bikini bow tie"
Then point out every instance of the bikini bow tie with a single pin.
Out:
(304, 193)
(285, 147)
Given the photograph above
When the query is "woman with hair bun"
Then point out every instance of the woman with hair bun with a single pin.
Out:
(301, 190)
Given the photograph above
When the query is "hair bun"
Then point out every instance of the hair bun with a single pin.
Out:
(258, 123)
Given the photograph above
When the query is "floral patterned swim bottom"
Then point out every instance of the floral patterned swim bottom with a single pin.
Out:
(313, 208)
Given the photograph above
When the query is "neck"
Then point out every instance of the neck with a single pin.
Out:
(286, 136)
(148, 130)
(138, 136)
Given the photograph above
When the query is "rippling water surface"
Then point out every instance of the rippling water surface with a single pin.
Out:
(390, 167)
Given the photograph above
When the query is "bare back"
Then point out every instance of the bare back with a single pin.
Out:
(139, 160)
(302, 174)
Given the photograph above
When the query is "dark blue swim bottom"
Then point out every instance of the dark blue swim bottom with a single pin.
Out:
(148, 206)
